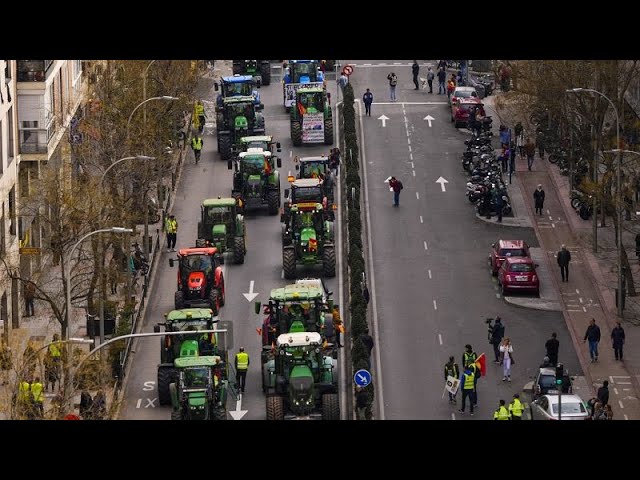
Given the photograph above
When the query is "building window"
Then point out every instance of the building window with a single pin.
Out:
(7, 70)
(77, 71)
(12, 211)
(11, 146)
(33, 70)
(4, 309)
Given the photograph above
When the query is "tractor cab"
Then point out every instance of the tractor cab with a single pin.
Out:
(308, 190)
(311, 100)
(200, 278)
(312, 167)
(200, 390)
(236, 118)
(191, 343)
(222, 227)
(239, 113)
(303, 71)
(265, 142)
(256, 182)
(237, 85)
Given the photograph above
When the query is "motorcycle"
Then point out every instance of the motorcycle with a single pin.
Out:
(140, 261)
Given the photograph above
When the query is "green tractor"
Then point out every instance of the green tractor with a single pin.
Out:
(260, 70)
(200, 389)
(307, 190)
(311, 117)
(237, 118)
(221, 226)
(316, 167)
(265, 142)
(189, 344)
(302, 307)
(256, 182)
(300, 378)
(307, 240)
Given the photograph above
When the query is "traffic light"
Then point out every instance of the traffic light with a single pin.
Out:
(559, 373)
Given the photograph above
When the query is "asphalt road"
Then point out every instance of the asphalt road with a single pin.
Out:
(263, 262)
(433, 288)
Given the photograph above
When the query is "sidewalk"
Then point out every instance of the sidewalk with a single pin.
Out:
(588, 294)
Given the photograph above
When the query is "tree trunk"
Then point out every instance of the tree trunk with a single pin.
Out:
(628, 274)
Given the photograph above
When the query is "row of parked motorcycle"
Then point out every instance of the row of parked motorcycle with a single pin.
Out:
(485, 185)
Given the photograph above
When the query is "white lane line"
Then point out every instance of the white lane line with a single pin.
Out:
(290, 153)
(425, 245)
(421, 220)
(553, 225)
(497, 295)
(580, 298)
(414, 172)
(620, 403)
(282, 274)
(569, 310)
(625, 417)
(409, 148)
(400, 63)
(585, 309)
(408, 139)
(453, 416)
(372, 277)
(366, 64)
(548, 212)
(615, 390)
(417, 195)
(412, 165)
(440, 338)
(550, 217)
(429, 273)
(577, 291)
(435, 305)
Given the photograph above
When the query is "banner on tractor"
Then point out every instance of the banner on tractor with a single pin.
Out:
(290, 90)
(313, 128)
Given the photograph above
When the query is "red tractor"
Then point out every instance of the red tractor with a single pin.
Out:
(200, 279)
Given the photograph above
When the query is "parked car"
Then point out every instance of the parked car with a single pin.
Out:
(460, 110)
(545, 383)
(462, 92)
(506, 248)
(518, 274)
(546, 408)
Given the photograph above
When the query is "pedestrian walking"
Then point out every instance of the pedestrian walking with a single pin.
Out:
(552, 346)
(496, 334)
(608, 412)
(367, 99)
(505, 136)
(29, 296)
(242, 365)
(362, 399)
(393, 82)
(451, 85)
(538, 198)
(499, 199)
(506, 350)
(501, 412)
(516, 408)
(451, 369)
(415, 70)
(530, 152)
(396, 186)
(343, 81)
(37, 397)
(563, 258)
(520, 140)
(593, 335)
(468, 389)
(367, 341)
(442, 78)
(366, 296)
(196, 146)
(617, 337)
(599, 412)
(24, 402)
(200, 115)
(469, 358)
(540, 143)
(171, 227)
(334, 160)
(338, 326)
(430, 77)
(603, 393)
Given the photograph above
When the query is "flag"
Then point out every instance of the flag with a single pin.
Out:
(481, 363)
(452, 384)
(313, 245)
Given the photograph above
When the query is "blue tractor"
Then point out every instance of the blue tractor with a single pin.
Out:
(238, 85)
(299, 72)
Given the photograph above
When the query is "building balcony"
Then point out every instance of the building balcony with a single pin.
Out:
(34, 140)
(33, 70)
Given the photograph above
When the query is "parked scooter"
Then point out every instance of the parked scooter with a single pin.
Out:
(140, 261)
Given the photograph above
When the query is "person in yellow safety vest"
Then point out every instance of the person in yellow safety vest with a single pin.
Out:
(171, 227)
(200, 115)
(501, 413)
(516, 408)
(196, 146)
(23, 406)
(37, 395)
(468, 388)
(242, 365)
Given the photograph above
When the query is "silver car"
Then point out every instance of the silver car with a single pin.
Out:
(546, 408)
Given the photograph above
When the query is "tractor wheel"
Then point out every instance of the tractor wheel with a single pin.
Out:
(289, 263)
(219, 413)
(224, 147)
(179, 300)
(176, 415)
(273, 200)
(330, 406)
(214, 301)
(237, 68)
(275, 408)
(201, 243)
(296, 133)
(165, 376)
(238, 250)
(329, 262)
(328, 132)
(265, 72)
(163, 351)
(222, 293)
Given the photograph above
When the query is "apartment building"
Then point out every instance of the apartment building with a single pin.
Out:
(9, 239)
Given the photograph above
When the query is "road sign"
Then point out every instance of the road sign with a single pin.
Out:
(362, 378)
(29, 251)
(347, 70)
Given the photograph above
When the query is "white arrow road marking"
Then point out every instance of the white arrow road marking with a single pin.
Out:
(384, 119)
(251, 295)
(429, 119)
(237, 414)
(442, 181)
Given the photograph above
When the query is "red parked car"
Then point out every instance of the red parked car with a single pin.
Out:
(518, 274)
(506, 248)
(460, 110)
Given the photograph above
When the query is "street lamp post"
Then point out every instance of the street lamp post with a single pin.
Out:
(68, 269)
(619, 296)
(137, 157)
(145, 245)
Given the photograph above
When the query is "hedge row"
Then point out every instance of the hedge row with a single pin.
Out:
(357, 305)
